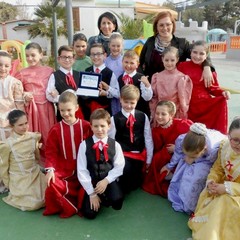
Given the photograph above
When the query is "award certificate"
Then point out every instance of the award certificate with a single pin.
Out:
(88, 84)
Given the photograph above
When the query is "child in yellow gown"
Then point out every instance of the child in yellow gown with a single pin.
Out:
(218, 210)
(19, 167)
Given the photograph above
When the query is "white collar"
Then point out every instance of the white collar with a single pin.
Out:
(65, 70)
(104, 140)
(100, 67)
(126, 114)
(130, 74)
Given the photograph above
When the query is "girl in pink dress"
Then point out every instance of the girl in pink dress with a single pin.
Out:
(207, 105)
(164, 135)
(171, 85)
(41, 114)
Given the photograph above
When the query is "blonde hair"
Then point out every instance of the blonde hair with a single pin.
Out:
(130, 92)
(131, 54)
(169, 104)
(68, 96)
(170, 50)
(115, 36)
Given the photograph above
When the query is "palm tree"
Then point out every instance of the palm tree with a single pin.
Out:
(43, 25)
(132, 28)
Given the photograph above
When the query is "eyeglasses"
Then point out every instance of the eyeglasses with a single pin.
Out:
(162, 25)
(65, 58)
(96, 54)
(235, 141)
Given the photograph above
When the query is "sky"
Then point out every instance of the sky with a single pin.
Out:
(36, 2)
(27, 2)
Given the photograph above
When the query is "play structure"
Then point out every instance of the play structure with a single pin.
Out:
(17, 50)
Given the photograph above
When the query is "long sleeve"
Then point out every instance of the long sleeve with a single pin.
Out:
(114, 87)
(215, 89)
(17, 89)
(233, 188)
(153, 102)
(146, 93)
(178, 153)
(52, 149)
(82, 171)
(148, 140)
(50, 88)
(184, 95)
(4, 163)
(112, 130)
(118, 164)
(217, 172)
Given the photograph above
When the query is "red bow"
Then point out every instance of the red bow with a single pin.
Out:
(70, 80)
(129, 124)
(97, 70)
(127, 79)
(229, 166)
(104, 147)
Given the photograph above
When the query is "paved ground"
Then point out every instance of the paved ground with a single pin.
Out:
(229, 77)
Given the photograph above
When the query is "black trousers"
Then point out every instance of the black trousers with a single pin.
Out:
(112, 196)
(132, 177)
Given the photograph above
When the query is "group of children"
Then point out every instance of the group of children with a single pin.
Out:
(155, 134)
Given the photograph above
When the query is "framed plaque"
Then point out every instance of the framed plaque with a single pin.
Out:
(89, 84)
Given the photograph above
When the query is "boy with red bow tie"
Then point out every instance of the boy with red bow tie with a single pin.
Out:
(100, 162)
(131, 128)
(108, 87)
(130, 64)
(64, 78)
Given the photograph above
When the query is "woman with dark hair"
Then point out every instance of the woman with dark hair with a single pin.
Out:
(164, 27)
(107, 24)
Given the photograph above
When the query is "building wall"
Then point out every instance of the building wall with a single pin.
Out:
(193, 32)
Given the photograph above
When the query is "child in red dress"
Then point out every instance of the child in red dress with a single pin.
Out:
(207, 105)
(164, 135)
(62, 145)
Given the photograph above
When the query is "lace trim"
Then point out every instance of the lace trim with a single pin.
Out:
(200, 219)
(228, 187)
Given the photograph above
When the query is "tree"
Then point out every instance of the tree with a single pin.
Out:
(7, 12)
(169, 4)
(43, 25)
(193, 14)
(132, 28)
(230, 13)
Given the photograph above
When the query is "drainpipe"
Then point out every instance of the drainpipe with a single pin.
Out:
(4, 30)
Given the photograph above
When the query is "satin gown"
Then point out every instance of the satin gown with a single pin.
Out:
(218, 217)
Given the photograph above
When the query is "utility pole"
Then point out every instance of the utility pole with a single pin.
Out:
(55, 35)
(69, 21)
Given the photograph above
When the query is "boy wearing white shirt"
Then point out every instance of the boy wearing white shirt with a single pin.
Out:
(131, 128)
(100, 162)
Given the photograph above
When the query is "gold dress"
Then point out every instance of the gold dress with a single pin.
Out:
(21, 173)
(218, 217)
